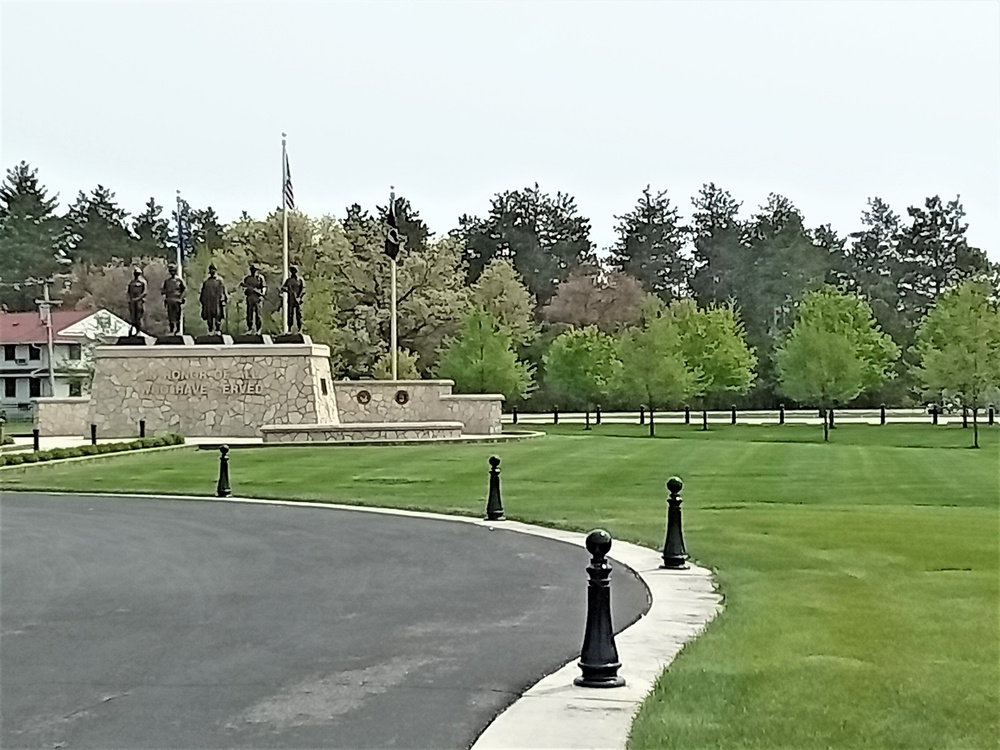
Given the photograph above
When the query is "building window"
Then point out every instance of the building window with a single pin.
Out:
(10, 387)
(9, 352)
(75, 351)
(34, 352)
(34, 387)
(75, 388)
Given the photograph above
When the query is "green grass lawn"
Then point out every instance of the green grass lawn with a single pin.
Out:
(861, 577)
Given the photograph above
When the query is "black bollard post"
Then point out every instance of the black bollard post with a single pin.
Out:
(651, 431)
(687, 415)
(732, 414)
(830, 415)
(597, 413)
(599, 655)
(674, 554)
(93, 434)
(990, 414)
(642, 415)
(781, 413)
(704, 419)
(555, 415)
(965, 417)
(142, 428)
(513, 411)
(223, 489)
(34, 440)
(881, 412)
(934, 414)
(586, 417)
(494, 505)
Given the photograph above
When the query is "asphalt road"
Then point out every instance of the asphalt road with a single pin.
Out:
(137, 623)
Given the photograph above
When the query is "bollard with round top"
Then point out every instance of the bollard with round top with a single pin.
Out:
(687, 415)
(934, 414)
(642, 415)
(732, 411)
(881, 413)
(555, 415)
(513, 411)
(142, 428)
(781, 413)
(35, 440)
(93, 434)
(599, 655)
(675, 556)
(222, 489)
(597, 414)
(494, 505)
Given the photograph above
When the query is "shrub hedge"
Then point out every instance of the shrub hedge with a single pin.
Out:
(15, 459)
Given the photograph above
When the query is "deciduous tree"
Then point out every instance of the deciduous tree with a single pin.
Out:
(588, 297)
(834, 351)
(582, 366)
(959, 346)
(480, 358)
(502, 293)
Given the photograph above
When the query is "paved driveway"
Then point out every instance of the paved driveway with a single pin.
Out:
(176, 624)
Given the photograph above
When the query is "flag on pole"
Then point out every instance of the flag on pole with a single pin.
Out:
(393, 239)
(289, 193)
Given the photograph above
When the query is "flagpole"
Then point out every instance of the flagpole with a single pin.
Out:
(392, 324)
(180, 255)
(284, 232)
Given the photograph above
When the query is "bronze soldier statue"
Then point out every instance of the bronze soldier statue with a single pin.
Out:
(136, 292)
(295, 289)
(173, 296)
(254, 289)
(213, 301)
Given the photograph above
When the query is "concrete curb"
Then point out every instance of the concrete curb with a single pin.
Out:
(554, 714)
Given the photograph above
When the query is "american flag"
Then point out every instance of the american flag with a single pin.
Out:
(289, 193)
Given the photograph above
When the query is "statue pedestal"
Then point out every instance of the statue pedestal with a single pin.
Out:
(209, 390)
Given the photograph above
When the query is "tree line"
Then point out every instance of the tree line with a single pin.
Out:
(525, 269)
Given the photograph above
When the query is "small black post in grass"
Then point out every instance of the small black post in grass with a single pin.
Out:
(586, 417)
(881, 412)
(34, 440)
(93, 434)
(513, 411)
(781, 413)
(687, 415)
(555, 415)
(494, 505)
(142, 428)
(651, 431)
(223, 489)
(597, 414)
(965, 417)
(599, 655)
(990, 414)
(704, 419)
(732, 411)
(674, 554)
(934, 414)
(830, 417)
(642, 415)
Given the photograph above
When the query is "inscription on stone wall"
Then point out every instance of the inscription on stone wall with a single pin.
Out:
(205, 383)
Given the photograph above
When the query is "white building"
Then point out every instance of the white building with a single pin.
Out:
(24, 357)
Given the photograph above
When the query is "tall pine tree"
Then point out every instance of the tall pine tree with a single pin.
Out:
(650, 246)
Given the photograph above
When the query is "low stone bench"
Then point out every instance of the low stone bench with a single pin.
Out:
(360, 431)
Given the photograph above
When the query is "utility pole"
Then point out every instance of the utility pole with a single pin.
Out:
(45, 312)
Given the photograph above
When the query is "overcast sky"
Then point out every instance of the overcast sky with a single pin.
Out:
(826, 102)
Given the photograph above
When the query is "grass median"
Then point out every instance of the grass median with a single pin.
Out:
(861, 577)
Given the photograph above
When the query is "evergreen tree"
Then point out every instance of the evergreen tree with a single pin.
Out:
(542, 235)
(29, 231)
(649, 246)
(934, 255)
(96, 231)
(719, 257)
(152, 232)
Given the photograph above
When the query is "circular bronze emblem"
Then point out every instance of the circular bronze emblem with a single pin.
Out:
(402, 397)
(364, 397)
